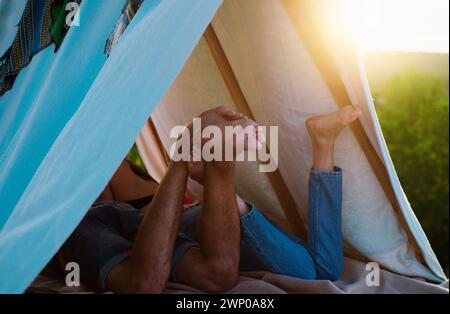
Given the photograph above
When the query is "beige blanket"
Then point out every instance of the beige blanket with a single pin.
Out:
(353, 280)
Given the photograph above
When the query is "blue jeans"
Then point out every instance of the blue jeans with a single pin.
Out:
(265, 247)
(106, 234)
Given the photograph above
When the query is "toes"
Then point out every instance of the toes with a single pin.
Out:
(221, 109)
(347, 110)
(357, 111)
(235, 115)
(256, 140)
(355, 114)
(228, 113)
(260, 135)
(250, 122)
(252, 143)
(349, 114)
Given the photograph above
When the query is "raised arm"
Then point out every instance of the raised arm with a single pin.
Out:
(148, 267)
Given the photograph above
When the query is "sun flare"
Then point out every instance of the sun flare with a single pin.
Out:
(397, 25)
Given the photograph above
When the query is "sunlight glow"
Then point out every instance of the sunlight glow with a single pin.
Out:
(397, 25)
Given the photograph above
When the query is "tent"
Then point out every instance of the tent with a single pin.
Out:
(72, 116)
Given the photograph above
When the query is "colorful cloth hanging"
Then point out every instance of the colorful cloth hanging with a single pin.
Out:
(128, 12)
(42, 22)
(33, 36)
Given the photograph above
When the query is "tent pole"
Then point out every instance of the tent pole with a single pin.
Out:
(284, 196)
(300, 13)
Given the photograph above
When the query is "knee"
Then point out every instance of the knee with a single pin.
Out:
(222, 276)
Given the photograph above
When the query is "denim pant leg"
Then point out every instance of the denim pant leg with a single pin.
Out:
(263, 243)
(190, 222)
(325, 222)
(321, 257)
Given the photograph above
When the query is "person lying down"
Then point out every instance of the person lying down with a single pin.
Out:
(137, 235)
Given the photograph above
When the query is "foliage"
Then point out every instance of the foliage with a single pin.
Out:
(135, 158)
(413, 109)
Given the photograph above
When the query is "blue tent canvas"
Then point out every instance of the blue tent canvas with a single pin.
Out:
(64, 104)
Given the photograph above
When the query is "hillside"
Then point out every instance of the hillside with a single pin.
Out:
(382, 66)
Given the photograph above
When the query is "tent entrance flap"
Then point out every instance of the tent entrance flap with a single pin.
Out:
(306, 17)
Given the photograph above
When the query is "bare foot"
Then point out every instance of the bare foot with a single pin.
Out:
(222, 117)
(324, 129)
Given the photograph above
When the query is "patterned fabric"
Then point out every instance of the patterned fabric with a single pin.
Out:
(33, 36)
(128, 12)
(42, 22)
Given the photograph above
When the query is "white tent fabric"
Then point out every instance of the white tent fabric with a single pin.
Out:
(283, 87)
(71, 117)
(155, 163)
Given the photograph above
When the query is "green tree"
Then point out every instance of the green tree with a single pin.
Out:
(413, 109)
(135, 158)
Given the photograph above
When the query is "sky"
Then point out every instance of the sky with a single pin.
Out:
(397, 25)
